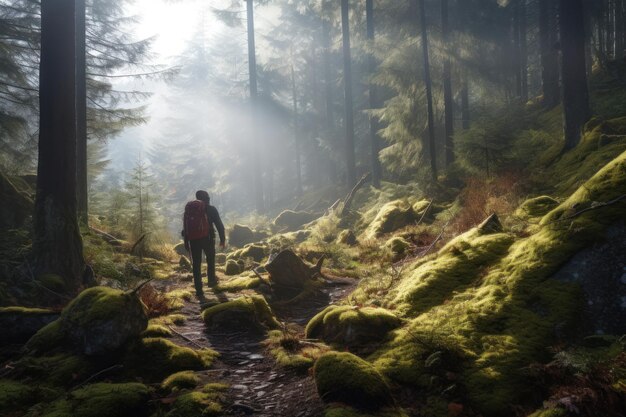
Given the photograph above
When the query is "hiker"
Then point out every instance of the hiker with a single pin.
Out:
(199, 235)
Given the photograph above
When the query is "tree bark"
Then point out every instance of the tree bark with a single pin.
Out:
(448, 100)
(619, 29)
(57, 245)
(523, 49)
(328, 84)
(296, 139)
(576, 110)
(373, 98)
(429, 92)
(549, 56)
(256, 162)
(465, 104)
(81, 116)
(349, 106)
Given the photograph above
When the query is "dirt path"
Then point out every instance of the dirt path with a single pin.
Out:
(258, 387)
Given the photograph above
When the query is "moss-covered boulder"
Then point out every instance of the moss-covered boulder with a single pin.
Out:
(398, 245)
(232, 268)
(204, 403)
(19, 324)
(103, 400)
(220, 258)
(99, 321)
(240, 236)
(347, 237)
(15, 206)
(256, 252)
(293, 220)
(181, 380)
(155, 358)
(536, 207)
(391, 217)
(352, 326)
(252, 313)
(180, 249)
(346, 378)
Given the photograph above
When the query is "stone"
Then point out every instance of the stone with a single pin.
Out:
(240, 236)
(19, 324)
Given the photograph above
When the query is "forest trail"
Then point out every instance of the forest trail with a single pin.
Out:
(257, 385)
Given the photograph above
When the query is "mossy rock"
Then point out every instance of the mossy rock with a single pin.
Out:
(220, 258)
(232, 268)
(391, 217)
(180, 249)
(60, 369)
(245, 282)
(293, 220)
(240, 236)
(14, 396)
(101, 320)
(352, 326)
(536, 207)
(550, 412)
(255, 252)
(156, 358)
(103, 400)
(19, 324)
(345, 378)
(204, 403)
(398, 245)
(251, 313)
(181, 380)
(156, 330)
(347, 237)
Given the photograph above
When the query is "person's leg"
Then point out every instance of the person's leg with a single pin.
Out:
(196, 259)
(209, 251)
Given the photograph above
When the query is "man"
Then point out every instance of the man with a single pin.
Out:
(199, 235)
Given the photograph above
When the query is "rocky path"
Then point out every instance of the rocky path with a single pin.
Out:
(257, 386)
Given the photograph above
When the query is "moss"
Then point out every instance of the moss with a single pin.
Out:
(205, 403)
(240, 283)
(61, 369)
(455, 267)
(47, 338)
(156, 330)
(347, 237)
(343, 411)
(398, 245)
(346, 378)
(244, 311)
(293, 220)
(181, 380)
(392, 216)
(103, 400)
(178, 297)
(96, 304)
(14, 395)
(26, 311)
(232, 268)
(255, 252)
(551, 412)
(514, 311)
(156, 358)
(536, 207)
(352, 326)
(290, 353)
(177, 319)
(52, 282)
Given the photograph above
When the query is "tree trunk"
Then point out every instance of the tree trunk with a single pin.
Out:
(256, 162)
(576, 110)
(374, 125)
(465, 104)
(619, 29)
(57, 245)
(448, 100)
(82, 192)
(329, 85)
(296, 140)
(517, 54)
(349, 107)
(549, 55)
(523, 49)
(429, 93)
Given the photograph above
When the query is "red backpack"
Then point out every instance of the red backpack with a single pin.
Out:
(195, 221)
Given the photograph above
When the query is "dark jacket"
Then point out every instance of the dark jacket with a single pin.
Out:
(214, 219)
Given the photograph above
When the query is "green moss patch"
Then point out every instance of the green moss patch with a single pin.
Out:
(242, 313)
(256, 252)
(204, 403)
(156, 330)
(240, 283)
(61, 369)
(346, 378)
(181, 380)
(232, 268)
(156, 358)
(14, 396)
(352, 326)
(536, 207)
(104, 400)
(289, 352)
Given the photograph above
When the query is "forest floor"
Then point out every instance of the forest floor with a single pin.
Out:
(257, 385)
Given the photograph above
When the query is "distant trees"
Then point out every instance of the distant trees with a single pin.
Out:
(548, 39)
(576, 110)
(373, 96)
(57, 245)
(349, 106)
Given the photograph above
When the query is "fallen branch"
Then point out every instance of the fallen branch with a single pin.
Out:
(196, 344)
(108, 238)
(593, 207)
(97, 374)
(424, 213)
(138, 242)
(432, 245)
(348, 200)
